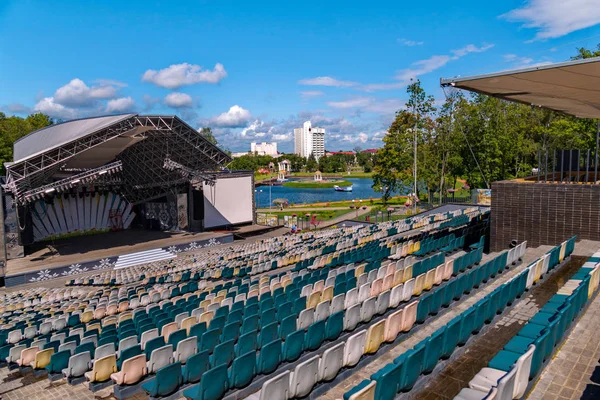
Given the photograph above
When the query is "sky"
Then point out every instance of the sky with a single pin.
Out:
(252, 71)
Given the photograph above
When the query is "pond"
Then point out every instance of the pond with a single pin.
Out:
(361, 189)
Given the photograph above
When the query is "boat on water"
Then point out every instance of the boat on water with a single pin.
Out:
(342, 189)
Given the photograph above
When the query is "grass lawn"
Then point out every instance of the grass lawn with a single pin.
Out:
(316, 185)
(353, 174)
(394, 201)
(323, 215)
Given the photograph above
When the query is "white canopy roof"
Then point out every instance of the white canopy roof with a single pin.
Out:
(571, 87)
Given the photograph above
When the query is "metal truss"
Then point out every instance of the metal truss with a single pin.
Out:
(142, 174)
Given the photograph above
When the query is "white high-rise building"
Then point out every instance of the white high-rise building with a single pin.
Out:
(264, 149)
(309, 140)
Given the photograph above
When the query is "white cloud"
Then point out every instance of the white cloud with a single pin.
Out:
(77, 94)
(178, 100)
(236, 117)
(470, 48)
(17, 108)
(326, 81)
(122, 104)
(48, 106)
(309, 94)
(517, 62)
(285, 137)
(360, 138)
(110, 82)
(150, 102)
(555, 18)
(178, 75)
(356, 102)
(409, 43)
(257, 128)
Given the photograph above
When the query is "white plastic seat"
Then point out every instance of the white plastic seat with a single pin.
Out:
(180, 317)
(185, 349)
(337, 304)
(126, 343)
(15, 353)
(368, 308)
(79, 364)
(487, 378)
(14, 336)
(90, 339)
(331, 362)
(351, 298)
(304, 377)
(366, 393)
(277, 387)
(393, 325)
(410, 316)
(147, 336)
(383, 302)
(352, 317)
(364, 292)
(409, 288)
(104, 350)
(322, 311)
(159, 358)
(472, 394)
(58, 336)
(29, 332)
(354, 348)
(306, 318)
(396, 295)
(71, 346)
(45, 328)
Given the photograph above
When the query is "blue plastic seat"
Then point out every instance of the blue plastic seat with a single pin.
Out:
(58, 362)
(176, 337)
(82, 348)
(198, 330)
(466, 325)
(128, 353)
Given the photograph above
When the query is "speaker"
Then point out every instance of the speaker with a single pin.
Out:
(197, 205)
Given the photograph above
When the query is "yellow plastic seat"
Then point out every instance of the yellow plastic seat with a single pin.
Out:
(327, 294)
(375, 336)
(168, 329)
(187, 323)
(86, 317)
(419, 284)
(206, 317)
(42, 358)
(103, 369)
(408, 273)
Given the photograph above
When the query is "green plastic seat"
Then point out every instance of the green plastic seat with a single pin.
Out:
(152, 345)
(268, 333)
(243, 370)
(128, 353)
(218, 323)
(433, 350)
(269, 357)
(436, 301)
(55, 344)
(315, 335)
(58, 362)
(176, 337)
(334, 325)
(246, 342)
(293, 345)
(210, 339)
(224, 353)
(195, 366)
(167, 380)
(388, 379)
(212, 386)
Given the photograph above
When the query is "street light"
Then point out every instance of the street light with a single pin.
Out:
(258, 192)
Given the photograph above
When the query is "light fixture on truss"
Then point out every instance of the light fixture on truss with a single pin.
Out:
(194, 176)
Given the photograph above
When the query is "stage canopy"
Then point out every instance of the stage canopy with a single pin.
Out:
(142, 156)
(571, 87)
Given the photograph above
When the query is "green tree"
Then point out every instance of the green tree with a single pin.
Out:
(583, 53)
(13, 128)
(311, 163)
(207, 133)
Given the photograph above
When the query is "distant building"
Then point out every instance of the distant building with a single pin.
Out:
(239, 154)
(372, 151)
(309, 140)
(264, 149)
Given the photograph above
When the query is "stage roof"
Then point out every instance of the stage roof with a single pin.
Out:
(136, 147)
(571, 87)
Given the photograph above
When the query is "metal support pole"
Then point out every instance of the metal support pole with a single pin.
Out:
(546, 168)
(553, 164)
(578, 163)
(562, 164)
(539, 165)
(587, 166)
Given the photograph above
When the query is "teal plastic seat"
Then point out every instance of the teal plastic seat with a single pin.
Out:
(315, 335)
(293, 345)
(413, 366)
(198, 330)
(268, 333)
(531, 330)
(89, 347)
(128, 353)
(448, 293)
(541, 318)
(466, 325)
(519, 344)
(436, 301)
(357, 389)
(210, 339)
(268, 317)
(423, 308)
(58, 362)
(247, 342)
(231, 331)
(212, 386)
(195, 366)
(481, 313)
(388, 379)
(433, 350)
(176, 337)
(167, 380)
(242, 370)
(218, 323)
(287, 326)
(269, 357)
(224, 353)
(451, 336)
(152, 345)
(334, 325)
(250, 324)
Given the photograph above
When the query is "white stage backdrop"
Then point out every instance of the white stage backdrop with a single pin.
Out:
(228, 202)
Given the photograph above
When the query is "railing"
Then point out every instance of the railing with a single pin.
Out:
(567, 166)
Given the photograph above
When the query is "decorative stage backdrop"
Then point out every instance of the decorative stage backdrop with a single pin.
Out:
(182, 211)
(105, 263)
(11, 229)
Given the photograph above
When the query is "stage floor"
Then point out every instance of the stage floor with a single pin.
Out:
(80, 249)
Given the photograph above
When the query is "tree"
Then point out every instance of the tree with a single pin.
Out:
(396, 160)
(207, 133)
(583, 53)
(13, 128)
(311, 163)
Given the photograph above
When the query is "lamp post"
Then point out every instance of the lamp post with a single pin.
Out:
(258, 192)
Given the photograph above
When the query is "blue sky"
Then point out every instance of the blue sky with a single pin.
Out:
(255, 70)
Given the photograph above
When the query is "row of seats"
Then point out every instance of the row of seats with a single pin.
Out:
(508, 374)
(402, 374)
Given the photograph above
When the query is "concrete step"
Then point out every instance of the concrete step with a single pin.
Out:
(143, 257)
